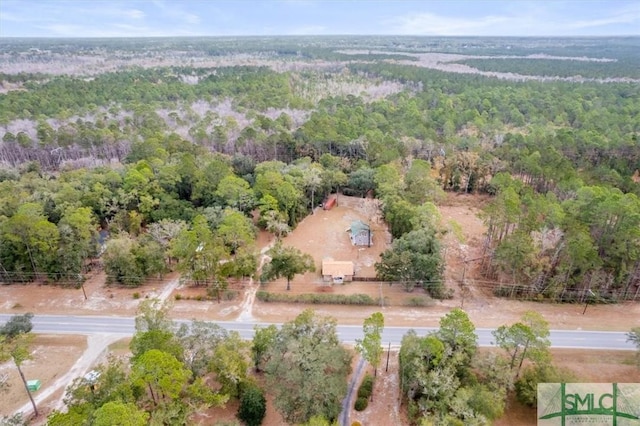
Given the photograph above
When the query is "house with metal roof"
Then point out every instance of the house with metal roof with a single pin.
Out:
(361, 234)
(337, 271)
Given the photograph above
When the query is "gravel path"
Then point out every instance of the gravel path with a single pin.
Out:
(246, 308)
(346, 403)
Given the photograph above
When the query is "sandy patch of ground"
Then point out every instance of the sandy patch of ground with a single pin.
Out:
(324, 235)
(53, 357)
(228, 413)
(463, 253)
(483, 314)
(101, 299)
(588, 367)
(57, 360)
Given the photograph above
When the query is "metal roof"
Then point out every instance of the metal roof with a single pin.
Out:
(358, 226)
(337, 268)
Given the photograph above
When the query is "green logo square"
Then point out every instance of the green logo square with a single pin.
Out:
(616, 404)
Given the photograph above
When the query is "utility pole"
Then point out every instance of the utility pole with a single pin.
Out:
(586, 305)
(463, 285)
(388, 353)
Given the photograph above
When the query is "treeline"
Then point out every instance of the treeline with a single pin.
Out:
(173, 205)
(407, 198)
(627, 67)
(615, 47)
(577, 244)
(593, 126)
(477, 114)
(257, 88)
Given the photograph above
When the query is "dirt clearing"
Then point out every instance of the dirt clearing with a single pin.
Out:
(52, 356)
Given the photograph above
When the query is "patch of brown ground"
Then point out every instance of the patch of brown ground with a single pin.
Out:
(52, 356)
(324, 235)
(101, 298)
(229, 411)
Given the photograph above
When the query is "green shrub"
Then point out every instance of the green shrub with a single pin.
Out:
(520, 292)
(229, 294)
(437, 290)
(527, 384)
(253, 405)
(317, 299)
(136, 295)
(178, 296)
(361, 404)
(366, 387)
(418, 301)
(413, 411)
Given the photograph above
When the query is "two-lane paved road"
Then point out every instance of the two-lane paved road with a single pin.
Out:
(63, 324)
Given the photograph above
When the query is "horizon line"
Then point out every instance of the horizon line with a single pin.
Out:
(317, 35)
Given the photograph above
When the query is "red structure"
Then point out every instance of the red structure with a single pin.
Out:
(329, 204)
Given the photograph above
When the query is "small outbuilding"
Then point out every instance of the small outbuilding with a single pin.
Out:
(360, 234)
(330, 203)
(337, 271)
(33, 385)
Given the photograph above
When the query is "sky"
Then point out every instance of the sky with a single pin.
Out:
(167, 18)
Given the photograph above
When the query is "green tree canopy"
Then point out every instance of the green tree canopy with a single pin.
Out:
(253, 405)
(458, 333)
(370, 347)
(286, 262)
(414, 258)
(307, 357)
(633, 336)
(263, 339)
(527, 339)
(161, 374)
(17, 324)
(116, 413)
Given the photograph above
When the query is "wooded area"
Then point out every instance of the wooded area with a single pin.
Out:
(174, 158)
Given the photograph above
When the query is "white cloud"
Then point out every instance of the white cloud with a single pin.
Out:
(112, 30)
(10, 17)
(64, 30)
(174, 11)
(523, 19)
(624, 16)
(190, 18)
(133, 13)
(432, 24)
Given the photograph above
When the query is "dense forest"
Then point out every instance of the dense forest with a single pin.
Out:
(179, 145)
